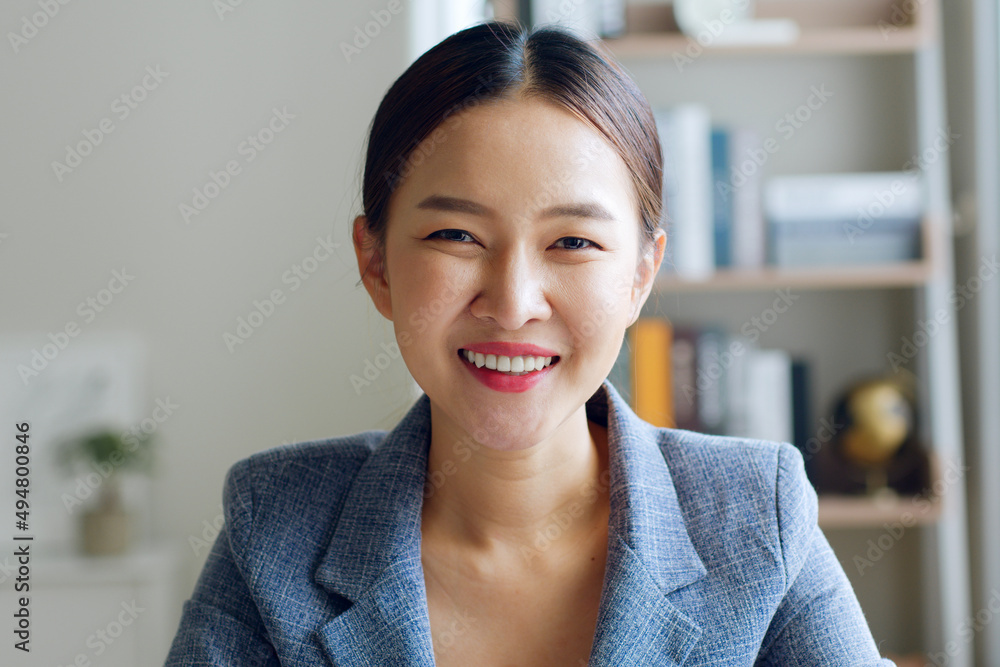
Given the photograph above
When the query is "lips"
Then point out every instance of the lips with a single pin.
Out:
(507, 374)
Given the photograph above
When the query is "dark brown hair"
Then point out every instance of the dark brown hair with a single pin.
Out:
(495, 61)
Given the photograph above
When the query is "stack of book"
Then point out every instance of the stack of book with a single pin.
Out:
(710, 381)
(844, 219)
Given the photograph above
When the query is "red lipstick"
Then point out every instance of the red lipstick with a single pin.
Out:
(505, 382)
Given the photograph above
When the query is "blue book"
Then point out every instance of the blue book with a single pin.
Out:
(722, 202)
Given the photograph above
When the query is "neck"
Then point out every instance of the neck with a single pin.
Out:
(543, 498)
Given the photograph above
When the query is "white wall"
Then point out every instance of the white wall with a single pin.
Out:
(224, 73)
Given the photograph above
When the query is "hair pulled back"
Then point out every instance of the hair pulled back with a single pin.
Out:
(498, 60)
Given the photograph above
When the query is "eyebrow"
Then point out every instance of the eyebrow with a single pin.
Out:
(590, 210)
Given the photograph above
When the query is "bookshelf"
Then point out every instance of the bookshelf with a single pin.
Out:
(838, 512)
(854, 512)
(883, 59)
(827, 27)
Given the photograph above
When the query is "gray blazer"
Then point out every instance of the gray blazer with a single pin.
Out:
(714, 556)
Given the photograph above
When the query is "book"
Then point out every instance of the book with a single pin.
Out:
(844, 219)
(711, 381)
(652, 390)
(749, 233)
(769, 395)
(684, 362)
(802, 426)
(685, 138)
(843, 197)
(838, 244)
(722, 202)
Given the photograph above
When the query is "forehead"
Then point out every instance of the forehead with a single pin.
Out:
(517, 156)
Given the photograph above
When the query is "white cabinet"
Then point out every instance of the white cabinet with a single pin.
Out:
(103, 612)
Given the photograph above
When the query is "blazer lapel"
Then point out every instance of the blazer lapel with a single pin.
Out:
(374, 556)
(650, 554)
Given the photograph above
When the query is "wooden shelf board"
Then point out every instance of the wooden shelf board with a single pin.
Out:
(826, 27)
(843, 41)
(862, 512)
(904, 274)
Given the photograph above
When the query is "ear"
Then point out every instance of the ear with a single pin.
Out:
(371, 265)
(645, 273)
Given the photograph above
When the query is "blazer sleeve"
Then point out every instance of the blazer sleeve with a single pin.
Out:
(220, 624)
(819, 620)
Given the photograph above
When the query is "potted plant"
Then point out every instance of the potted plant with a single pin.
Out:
(104, 454)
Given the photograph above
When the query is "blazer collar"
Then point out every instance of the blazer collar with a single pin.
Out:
(374, 555)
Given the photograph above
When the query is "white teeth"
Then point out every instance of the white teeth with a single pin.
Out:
(504, 364)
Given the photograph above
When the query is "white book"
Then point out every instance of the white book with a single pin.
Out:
(769, 395)
(749, 233)
(686, 138)
(826, 197)
(737, 386)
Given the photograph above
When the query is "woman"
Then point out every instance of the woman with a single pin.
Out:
(520, 513)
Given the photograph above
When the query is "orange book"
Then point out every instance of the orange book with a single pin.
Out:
(652, 384)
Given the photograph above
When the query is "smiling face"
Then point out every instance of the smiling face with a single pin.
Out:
(516, 237)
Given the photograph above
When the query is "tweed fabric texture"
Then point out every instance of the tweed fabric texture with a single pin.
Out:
(714, 556)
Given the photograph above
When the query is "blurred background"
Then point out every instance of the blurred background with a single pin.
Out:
(179, 288)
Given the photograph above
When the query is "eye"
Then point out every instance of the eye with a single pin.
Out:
(575, 243)
(451, 235)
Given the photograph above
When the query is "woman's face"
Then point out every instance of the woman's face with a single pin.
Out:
(514, 236)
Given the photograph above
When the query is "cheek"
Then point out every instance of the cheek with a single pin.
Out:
(424, 295)
(599, 308)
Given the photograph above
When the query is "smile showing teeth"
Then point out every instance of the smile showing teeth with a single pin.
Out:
(509, 365)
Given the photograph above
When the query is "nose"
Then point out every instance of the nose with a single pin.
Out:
(513, 290)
